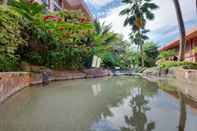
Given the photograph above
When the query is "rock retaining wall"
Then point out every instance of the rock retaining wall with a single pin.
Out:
(185, 80)
(11, 82)
(186, 75)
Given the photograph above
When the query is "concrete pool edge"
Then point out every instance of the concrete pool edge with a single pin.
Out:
(183, 79)
(13, 82)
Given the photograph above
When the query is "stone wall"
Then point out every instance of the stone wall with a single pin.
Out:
(11, 82)
(186, 75)
(190, 76)
(185, 80)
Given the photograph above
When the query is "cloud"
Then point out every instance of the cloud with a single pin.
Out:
(100, 2)
(117, 22)
(163, 28)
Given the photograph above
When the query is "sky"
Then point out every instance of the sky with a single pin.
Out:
(163, 28)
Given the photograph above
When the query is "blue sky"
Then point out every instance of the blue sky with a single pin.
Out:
(163, 29)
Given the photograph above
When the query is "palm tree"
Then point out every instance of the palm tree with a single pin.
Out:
(196, 6)
(103, 38)
(4, 2)
(138, 38)
(137, 13)
(181, 30)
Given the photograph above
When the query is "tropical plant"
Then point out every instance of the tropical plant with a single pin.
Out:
(167, 54)
(138, 12)
(28, 9)
(181, 26)
(57, 40)
(184, 64)
(138, 38)
(8, 63)
(10, 37)
(102, 39)
(151, 53)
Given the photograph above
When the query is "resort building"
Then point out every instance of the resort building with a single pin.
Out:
(190, 49)
(54, 5)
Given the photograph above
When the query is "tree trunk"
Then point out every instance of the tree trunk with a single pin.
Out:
(5, 2)
(142, 54)
(196, 7)
(182, 43)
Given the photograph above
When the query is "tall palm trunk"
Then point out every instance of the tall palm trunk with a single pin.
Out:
(181, 30)
(5, 2)
(142, 54)
(196, 7)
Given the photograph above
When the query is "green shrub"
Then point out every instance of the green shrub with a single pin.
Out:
(10, 37)
(56, 40)
(8, 63)
(167, 54)
(184, 64)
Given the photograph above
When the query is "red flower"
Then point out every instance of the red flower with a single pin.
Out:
(50, 31)
(82, 20)
(61, 28)
(66, 34)
(56, 18)
(60, 20)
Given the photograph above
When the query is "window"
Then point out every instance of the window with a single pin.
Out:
(45, 2)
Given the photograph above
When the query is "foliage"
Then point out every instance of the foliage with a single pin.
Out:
(67, 33)
(65, 39)
(128, 58)
(195, 50)
(10, 37)
(184, 64)
(119, 54)
(137, 13)
(151, 53)
(166, 54)
(102, 39)
(56, 40)
(27, 8)
(8, 63)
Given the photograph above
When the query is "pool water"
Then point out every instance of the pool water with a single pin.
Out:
(106, 104)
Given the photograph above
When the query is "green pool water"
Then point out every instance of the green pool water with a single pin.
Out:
(106, 104)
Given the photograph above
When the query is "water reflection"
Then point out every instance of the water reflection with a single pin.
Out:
(135, 119)
(110, 104)
(138, 121)
(183, 113)
(96, 89)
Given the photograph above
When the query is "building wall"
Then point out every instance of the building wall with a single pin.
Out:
(67, 4)
(190, 54)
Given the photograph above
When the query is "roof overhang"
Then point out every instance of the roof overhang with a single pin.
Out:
(190, 35)
(78, 5)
